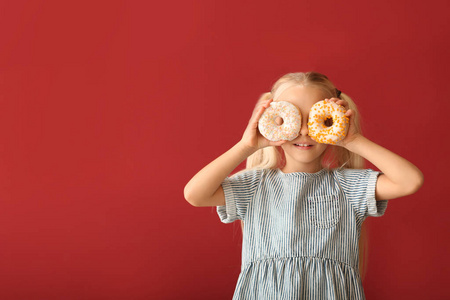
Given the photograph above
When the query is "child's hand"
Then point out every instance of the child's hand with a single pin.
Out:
(252, 138)
(351, 114)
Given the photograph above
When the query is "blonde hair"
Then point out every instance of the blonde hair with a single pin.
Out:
(333, 157)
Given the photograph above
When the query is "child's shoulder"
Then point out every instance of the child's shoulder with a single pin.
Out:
(350, 172)
(354, 176)
(253, 173)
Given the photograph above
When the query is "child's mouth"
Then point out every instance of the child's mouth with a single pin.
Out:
(303, 146)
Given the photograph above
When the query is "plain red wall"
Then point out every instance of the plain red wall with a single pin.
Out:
(107, 108)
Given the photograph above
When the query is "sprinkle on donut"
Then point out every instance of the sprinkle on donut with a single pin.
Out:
(290, 127)
(328, 123)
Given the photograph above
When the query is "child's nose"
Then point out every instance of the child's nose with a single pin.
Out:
(304, 127)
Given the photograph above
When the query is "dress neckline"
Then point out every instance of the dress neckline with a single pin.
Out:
(302, 174)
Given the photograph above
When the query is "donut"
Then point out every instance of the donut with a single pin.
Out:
(290, 127)
(327, 123)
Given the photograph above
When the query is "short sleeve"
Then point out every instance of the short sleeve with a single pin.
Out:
(239, 190)
(359, 189)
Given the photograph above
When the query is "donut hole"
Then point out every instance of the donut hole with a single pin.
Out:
(279, 121)
(328, 122)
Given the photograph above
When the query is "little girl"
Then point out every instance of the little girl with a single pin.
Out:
(302, 203)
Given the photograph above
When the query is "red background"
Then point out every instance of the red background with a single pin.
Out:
(108, 108)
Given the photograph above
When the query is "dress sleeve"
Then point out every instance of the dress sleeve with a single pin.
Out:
(239, 191)
(359, 188)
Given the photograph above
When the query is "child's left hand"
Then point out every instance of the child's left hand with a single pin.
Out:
(351, 114)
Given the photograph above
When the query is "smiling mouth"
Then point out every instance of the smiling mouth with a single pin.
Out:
(303, 145)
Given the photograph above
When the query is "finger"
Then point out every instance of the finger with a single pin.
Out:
(274, 144)
(258, 113)
(340, 102)
(267, 103)
(262, 103)
(259, 110)
(263, 100)
(335, 100)
(279, 143)
(351, 116)
(264, 106)
(349, 113)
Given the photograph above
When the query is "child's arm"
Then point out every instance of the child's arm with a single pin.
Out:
(205, 188)
(399, 177)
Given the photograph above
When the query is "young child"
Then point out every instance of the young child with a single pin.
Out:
(302, 203)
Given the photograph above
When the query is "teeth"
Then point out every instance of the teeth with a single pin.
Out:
(302, 145)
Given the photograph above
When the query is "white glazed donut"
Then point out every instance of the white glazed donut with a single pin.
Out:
(327, 132)
(291, 117)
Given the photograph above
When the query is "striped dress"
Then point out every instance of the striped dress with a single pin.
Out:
(301, 231)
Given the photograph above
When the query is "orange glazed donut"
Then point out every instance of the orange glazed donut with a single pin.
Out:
(290, 127)
(328, 123)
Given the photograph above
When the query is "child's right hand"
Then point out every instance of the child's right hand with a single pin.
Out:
(252, 138)
(205, 188)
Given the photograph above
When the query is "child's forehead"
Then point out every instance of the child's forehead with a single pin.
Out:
(301, 96)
